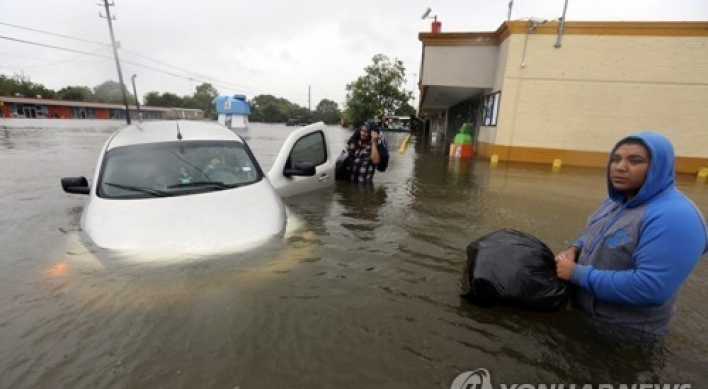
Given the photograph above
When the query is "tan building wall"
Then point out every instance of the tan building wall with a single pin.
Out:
(487, 134)
(463, 66)
(575, 101)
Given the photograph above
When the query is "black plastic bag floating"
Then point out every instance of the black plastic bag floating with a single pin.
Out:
(513, 268)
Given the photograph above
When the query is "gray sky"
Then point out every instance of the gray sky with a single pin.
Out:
(278, 47)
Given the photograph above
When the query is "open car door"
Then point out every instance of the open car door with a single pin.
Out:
(304, 163)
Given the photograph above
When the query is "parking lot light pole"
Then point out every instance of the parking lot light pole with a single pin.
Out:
(137, 101)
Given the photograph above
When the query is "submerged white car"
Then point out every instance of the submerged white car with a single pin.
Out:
(195, 187)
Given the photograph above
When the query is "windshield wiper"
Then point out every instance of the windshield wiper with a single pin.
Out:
(141, 189)
(206, 184)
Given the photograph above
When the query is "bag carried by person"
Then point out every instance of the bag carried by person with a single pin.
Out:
(383, 153)
(514, 268)
(343, 166)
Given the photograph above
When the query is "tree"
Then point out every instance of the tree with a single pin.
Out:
(20, 84)
(379, 91)
(109, 92)
(327, 111)
(271, 109)
(168, 100)
(203, 99)
(75, 93)
(405, 110)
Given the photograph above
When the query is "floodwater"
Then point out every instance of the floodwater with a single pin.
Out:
(368, 297)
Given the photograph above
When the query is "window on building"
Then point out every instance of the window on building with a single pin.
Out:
(491, 108)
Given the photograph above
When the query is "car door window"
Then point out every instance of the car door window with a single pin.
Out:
(309, 149)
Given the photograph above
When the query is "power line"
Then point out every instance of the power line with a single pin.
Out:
(110, 58)
(237, 87)
(105, 44)
(17, 56)
(55, 62)
(196, 77)
(199, 78)
(54, 34)
(50, 46)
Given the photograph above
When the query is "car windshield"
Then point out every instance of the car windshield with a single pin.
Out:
(176, 169)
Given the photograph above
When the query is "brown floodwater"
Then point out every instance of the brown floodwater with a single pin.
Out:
(366, 297)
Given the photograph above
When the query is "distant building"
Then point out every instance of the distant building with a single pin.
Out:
(27, 107)
(537, 91)
(233, 111)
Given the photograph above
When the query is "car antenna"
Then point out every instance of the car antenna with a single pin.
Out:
(179, 134)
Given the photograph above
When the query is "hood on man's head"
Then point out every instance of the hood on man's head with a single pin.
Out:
(660, 174)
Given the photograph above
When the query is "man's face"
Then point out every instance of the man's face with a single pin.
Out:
(628, 168)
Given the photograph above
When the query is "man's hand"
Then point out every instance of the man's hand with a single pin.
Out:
(564, 268)
(375, 157)
(565, 263)
(374, 137)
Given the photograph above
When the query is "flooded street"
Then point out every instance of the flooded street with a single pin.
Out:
(366, 297)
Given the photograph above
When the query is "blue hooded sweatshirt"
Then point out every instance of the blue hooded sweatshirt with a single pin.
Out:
(636, 254)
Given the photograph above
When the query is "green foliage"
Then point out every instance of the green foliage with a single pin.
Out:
(405, 110)
(203, 99)
(163, 100)
(109, 92)
(328, 112)
(21, 84)
(379, 91)
(271, 109)
(76, 93)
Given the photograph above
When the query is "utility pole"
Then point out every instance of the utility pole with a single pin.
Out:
(115, 55)
(309, 106)
(511, 5)
(137, 101)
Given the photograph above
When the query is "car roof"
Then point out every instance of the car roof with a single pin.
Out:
(167, 131)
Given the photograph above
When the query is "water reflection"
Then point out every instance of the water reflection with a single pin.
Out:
(5, 141)
(361, 202)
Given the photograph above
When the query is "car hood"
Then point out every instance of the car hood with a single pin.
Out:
(205, 222)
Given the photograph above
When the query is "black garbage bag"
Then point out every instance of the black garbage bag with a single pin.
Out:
(342, 168)
(513, 268)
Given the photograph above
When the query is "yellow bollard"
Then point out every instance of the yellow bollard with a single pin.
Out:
(494, 160)
(702, 174)
(404, 145)
(557, 163)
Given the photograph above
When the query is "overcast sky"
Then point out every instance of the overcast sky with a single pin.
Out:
(278, 47)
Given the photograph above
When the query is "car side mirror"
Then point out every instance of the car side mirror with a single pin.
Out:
(76, 185)
(300, 169)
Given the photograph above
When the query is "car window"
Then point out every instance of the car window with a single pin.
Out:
(309, 149)
(176, 169)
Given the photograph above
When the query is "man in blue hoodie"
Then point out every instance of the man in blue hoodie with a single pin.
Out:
(641, 244)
